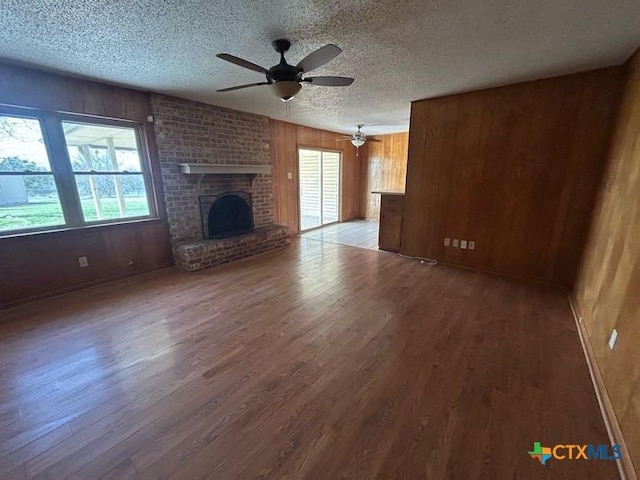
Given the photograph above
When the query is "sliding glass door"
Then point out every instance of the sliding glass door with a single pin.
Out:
(319, 187)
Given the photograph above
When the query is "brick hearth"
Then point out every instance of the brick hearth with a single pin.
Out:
(192, 256)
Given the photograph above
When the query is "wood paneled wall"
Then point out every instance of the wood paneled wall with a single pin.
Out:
(46, 263)
(39, 265)
(515, 169)
(285, 140)
(28, 87)
(385, 168)
(607, 290)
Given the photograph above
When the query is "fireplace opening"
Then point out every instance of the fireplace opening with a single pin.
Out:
(226, 215)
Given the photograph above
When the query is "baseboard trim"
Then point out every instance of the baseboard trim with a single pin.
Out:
(85, 286)
(537, 281)
(625, 464)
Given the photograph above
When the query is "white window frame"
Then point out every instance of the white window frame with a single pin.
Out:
(64, 176)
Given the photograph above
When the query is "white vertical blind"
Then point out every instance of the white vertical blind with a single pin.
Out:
(310, 189)
(330, 187)
(319, 188)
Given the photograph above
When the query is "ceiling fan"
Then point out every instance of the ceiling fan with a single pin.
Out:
(286, 79)
(358, 139)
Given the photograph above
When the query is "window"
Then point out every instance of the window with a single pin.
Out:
(28, 191)
(319, 188)
(108, 172)
(66, 171)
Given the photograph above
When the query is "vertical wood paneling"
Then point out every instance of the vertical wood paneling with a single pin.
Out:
(27, 87)
(608, 287)
(390, 222)
(514, 169)
(351, 178)
(285, 139)
(38, 265)
(284, 155)
(386, 170)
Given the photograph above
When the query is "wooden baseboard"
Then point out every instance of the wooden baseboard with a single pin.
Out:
(625, 464)
(538, 281)
(83, 286)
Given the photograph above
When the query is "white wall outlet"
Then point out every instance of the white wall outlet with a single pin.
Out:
(463, 244)
(447, 241)
(289, 176)
(472, 245)
(612, 338)
(83, 262)
(456, 243)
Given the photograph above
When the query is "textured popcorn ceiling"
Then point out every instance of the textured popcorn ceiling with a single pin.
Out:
(398, 51)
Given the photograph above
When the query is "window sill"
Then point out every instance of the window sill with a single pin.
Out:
(97, 226)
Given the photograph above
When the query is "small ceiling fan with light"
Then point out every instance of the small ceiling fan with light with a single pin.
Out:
(286, 80)
(358, 139)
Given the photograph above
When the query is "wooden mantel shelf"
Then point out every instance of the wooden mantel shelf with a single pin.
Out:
(223, 169)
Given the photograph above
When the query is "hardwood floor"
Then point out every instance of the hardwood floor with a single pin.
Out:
(356, 233)
(318, 361)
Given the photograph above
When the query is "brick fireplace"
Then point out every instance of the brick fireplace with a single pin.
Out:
(192, 133)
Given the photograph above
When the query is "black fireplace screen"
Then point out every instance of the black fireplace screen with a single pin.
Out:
(226, 215)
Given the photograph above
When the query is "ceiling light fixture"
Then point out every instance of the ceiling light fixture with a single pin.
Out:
(285, 90)
(358, 139)
(357, 142)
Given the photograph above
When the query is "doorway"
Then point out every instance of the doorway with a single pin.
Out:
(319, 188)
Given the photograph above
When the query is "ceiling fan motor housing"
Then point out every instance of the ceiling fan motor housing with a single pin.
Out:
(283, 72)
(284, 77)
(281, 45)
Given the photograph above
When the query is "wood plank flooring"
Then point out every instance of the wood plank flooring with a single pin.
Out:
(319, 361)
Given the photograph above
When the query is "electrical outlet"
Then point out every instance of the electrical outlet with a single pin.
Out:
(472, 245)
(463, 244)
(83, 262)
(289, 176)
(456, 243)
(447, 241)
(613, 338)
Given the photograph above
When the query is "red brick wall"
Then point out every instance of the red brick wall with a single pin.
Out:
(192, 132)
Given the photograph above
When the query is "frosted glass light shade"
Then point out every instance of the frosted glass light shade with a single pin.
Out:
(286, 90)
